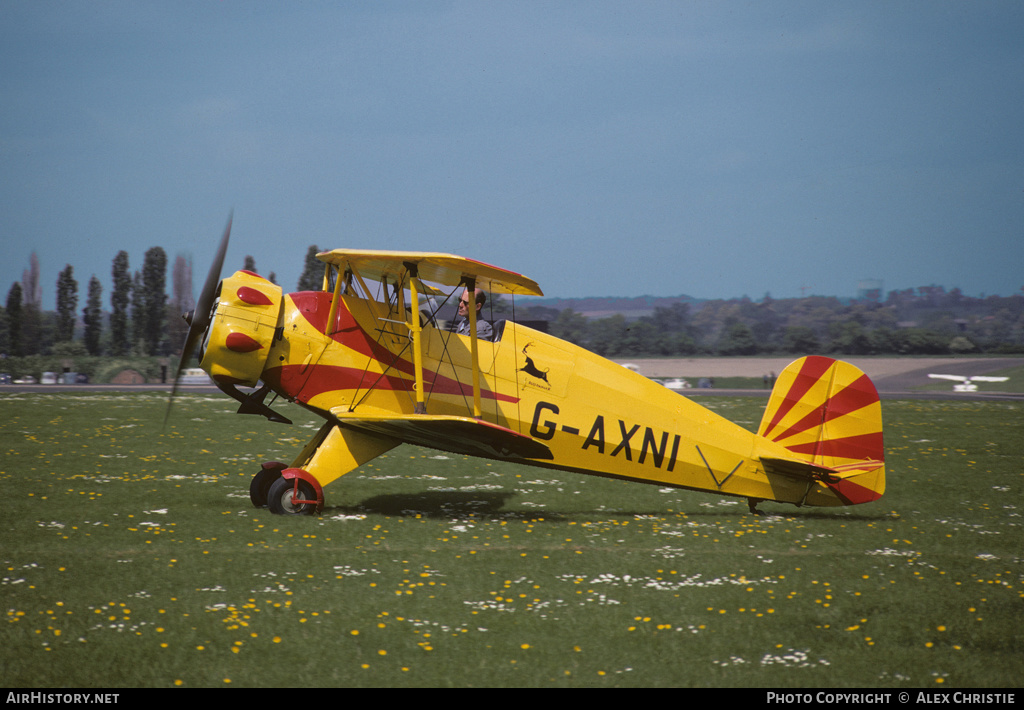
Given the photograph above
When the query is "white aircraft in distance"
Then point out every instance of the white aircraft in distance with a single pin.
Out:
(967, 383)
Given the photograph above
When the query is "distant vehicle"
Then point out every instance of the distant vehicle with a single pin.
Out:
(677, 383)
(25, 380)
(966, 384)
(49, 378)
(5, 379)
(194, 376)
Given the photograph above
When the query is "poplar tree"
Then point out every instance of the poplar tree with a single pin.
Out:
(138, 312)
(14, 319)
(92, 316)
(312, 278)
(120, 299)
(67, 304)
(182, 301)
(31, 310)
(154, 281)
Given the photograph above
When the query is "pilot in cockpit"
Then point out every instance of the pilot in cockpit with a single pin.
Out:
(461, 323)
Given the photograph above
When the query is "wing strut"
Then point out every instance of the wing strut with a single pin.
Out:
(416, 331)
(471, 292)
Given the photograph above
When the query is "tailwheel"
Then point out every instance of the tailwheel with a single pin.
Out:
(259, 488)
(291, 496)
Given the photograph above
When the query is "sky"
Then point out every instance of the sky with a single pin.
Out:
(714, 149)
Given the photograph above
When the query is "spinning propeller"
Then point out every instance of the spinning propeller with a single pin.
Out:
(199, 319)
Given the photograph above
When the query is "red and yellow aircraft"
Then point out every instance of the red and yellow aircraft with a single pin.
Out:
(367, 355)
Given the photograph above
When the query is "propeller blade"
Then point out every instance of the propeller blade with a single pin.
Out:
(201, 316)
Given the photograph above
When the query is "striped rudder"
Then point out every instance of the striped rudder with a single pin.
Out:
(828, 412)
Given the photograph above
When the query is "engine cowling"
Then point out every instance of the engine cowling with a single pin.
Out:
(242, 329)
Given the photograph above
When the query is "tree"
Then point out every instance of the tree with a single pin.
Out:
(31, 310)
(31, 290)
(181, 284)
(849, 337)
(181, 300)
(138, 311)
(14, 318)
(312, 278)
(570, 326)
(154, 281)
(607, 336)
(92, 316)
(67, 304)
(250, 264)
(120, 298)
(800, 339)
(737, 339)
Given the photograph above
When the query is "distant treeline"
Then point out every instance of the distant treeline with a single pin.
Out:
(923, 321)
(141, 319)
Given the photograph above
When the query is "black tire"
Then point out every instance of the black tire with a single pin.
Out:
(259, 488)
(279, 497)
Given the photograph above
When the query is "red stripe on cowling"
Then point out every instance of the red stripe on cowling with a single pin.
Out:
(241, 343)
(253, 297)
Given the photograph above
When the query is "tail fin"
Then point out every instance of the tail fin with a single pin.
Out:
(827, 413)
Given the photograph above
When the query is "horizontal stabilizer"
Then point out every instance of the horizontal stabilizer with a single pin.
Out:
(460, 435)
(796, 469)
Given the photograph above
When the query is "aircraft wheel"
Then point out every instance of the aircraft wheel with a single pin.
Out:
(259, 488)
(279, 497)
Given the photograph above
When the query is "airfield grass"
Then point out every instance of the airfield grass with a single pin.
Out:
(132, 557)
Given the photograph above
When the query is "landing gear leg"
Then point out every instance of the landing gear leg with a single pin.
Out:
(332, 453)
(752, 505)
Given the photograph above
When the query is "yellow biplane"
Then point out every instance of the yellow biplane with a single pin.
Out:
(369, 354)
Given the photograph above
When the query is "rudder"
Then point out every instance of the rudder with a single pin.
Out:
(828, 412)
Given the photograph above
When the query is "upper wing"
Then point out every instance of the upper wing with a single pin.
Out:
(460, 435)
(446, 269)
(957, 378)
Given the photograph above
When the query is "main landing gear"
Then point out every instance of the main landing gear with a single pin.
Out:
(298, 489)
(283, 491)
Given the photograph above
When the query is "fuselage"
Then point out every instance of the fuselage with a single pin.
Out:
(595, 416)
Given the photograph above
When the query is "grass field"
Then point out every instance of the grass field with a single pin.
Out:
(132, 558)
